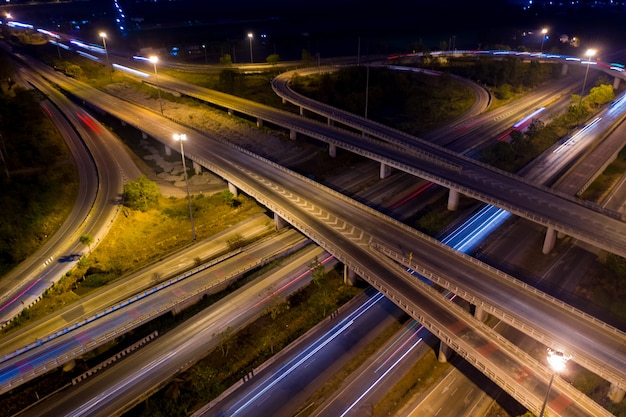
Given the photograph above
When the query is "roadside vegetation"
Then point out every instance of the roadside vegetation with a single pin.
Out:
(408, 101)
(38, 175)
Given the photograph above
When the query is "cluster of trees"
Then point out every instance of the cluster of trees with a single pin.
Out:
(524, 146)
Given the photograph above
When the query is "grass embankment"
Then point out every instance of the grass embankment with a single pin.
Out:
(601, 186)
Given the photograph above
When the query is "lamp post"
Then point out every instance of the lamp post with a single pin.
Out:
(206, 61)
(588, 54)
(250, 38)
(154, 59)
(543, 37)
(557, 361)
(181, 138)
(103, 35)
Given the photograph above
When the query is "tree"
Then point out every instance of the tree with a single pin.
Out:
(86, 240)
(141, 194)
(226, 59)
(600, 95)
(273, 59)
(227, 198)
(318, 272)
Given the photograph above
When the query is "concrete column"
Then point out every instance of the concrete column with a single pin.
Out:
(259, 122)
(549, 241)
(168, 150)
(479, 313)
(615, 394)
(197, 168)
(231, 112)
(233, 190)
(293, 135)
(444, 352)
(279, 222)
(331, 122)
(616, 82)
(332, 150)
(385, 170)
(301, 111)
(123, 123)
(564, 69)
(349, 277)
(284, 100)
(453, 200)
(144, 135)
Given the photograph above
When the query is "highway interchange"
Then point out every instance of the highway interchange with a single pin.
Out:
(359, 232)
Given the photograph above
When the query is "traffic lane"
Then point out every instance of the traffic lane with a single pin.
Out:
(117, 387)
(143, 309)
(134, 283)
(281, 388)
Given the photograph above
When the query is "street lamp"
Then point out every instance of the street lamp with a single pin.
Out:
(250, 38)
(589, 54)
(154, 59)
(543, 37)
(181, 138)
(206, 61)
(557, 361)
(103, 35)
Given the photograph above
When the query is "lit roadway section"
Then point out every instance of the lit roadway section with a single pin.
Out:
(348, 229)
(582, 220)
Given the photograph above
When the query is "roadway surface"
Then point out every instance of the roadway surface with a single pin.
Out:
(155, 364)
(322, 215)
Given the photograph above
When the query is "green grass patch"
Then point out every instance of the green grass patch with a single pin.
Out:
(603, 184)
(420, 377)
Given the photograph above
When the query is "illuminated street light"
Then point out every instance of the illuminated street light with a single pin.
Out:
(250, 38)
(543, 37)
(181, 138)
(588, 54)
(557, 361)
(154, 59)
(103, 35)
(206, 61)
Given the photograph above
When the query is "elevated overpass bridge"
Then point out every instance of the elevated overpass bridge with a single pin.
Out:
(357, 235)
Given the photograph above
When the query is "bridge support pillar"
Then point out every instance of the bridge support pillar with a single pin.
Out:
(331, 122)
(616, 82)
(292, 134)
(453, 200)
(564, 69)
(144, 135)
(230, 112)
(233, 190)
(284, 100)
(301, 111)
(479, 313)
(444, 352)
(168, 150)
(197, 168)
(259, 122)
(349, 276)
(123, 123)
(615, 394)
(279, 222)
(385, 170)
(332, 150)
(549, 241)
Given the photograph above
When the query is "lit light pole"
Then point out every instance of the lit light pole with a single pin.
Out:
(103, 35)
(250, 38)
(543, 37)
(557, 361)
(181, 138)
(154, 59)
(589, 54)
(206, 61)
